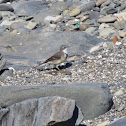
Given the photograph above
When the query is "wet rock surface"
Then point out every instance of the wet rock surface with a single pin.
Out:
(32, 31)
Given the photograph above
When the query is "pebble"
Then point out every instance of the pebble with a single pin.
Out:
(15, 31)
(107, 19)
(105, 32)
(55, 19)
(122, 34)
(104, 123)
(31, 25)
(99, 2)
(119, 92)
(74, 12)
(120, 24)
(83, 27)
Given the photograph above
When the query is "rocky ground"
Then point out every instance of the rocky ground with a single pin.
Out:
(106, 62)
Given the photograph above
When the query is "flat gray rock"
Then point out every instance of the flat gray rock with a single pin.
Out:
(46, 111)
(28, 7)
(6, 7)
(120, 122)
(93, 98)
(41, 46)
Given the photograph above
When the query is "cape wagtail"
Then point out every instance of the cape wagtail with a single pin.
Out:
(58, 57)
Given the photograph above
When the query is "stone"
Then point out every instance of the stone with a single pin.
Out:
(84, 18)
(100, 2)
(86, 6)
(42, 112)
(104, 123)
(103, 25)
(36, 46)
(120, 16)
(55, 19)
(61, 5)
(90, 30)
(15, 31)
(119, 122)
(83, 27)
(1, 17)
(6, 7)
(119, 92)
(122, 34)
(106, 3)
(31, 25)
(107, 19)
(94, 15)
(123, 6)
(105, 32)
(120, 24)
(4, 1)
(30, 7)
(74, 12)
(93, 98)
(111, 11)
(2, 62)
(3, 112)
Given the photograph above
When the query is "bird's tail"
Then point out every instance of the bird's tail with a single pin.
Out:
(38, 65)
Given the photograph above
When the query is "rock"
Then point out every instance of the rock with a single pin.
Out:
(15, 31)
(120, 16)
(120, 122)
(55, 19)
(34, 46)
(29, 7)
(119, 92)
(4, 1)
(86, 6)
(61, 5)
(122, 34)
(93, 98)
(43, 111)
(120, 24)
(2, 62)
(105, 32)
(90, 30)
(104, 123)
(3, 112)
(94, 15)
(123, 6)
(2, 29)
(84, 18)
(99, 2)
(6, 7)
(31, 25)
(106, 3)
(103, 25)
(17, 25)
(0, 17)
(74, 12)
(111, 11)
(107, 19)
(83, 27)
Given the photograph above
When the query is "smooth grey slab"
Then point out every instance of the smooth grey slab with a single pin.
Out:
(93, 98)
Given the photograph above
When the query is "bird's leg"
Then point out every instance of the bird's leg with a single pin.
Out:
(57, 68)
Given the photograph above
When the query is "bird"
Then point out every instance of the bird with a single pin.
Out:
(58, 57)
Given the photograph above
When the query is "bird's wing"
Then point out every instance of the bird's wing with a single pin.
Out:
(54, 57)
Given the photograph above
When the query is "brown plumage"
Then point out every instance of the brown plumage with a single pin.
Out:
(58, 57)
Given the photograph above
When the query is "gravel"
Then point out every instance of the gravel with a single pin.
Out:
(107, 65)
